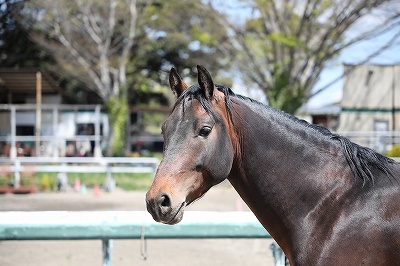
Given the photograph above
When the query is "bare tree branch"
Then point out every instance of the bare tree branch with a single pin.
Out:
(82, 61)
(88, 32)
(389, 44)
(299, 38)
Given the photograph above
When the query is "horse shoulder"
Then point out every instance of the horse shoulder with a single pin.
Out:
(367, 232)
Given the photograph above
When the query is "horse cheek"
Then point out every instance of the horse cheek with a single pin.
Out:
(220, 161)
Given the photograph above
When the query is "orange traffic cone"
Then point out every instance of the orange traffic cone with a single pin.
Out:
(77, 185)
(96, 190)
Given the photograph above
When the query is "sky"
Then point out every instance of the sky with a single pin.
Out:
(354, 54)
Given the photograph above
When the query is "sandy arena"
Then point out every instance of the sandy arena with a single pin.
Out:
(127, 252)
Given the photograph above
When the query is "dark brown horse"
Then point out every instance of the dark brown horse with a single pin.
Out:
(324, 199)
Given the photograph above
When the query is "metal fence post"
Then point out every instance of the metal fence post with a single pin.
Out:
(279, 256)
(110, 182)
(107, 246)
(62, 178)
(97, 133)
(13, 125)
(17, 176)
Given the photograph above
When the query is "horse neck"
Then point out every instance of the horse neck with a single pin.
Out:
(285, 169)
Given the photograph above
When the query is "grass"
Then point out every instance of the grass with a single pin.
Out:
(126, 181)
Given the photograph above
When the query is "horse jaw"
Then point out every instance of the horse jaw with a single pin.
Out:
(167, 198)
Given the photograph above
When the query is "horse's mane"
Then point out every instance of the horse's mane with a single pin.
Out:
(360, 159)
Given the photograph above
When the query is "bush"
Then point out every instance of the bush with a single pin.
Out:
(394, 151)
(45, 183)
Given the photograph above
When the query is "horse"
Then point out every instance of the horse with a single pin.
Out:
(324, 199)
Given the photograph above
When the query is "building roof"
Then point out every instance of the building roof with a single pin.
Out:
(24, 81)
(330, 109)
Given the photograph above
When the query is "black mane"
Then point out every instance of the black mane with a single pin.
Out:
(360, 159)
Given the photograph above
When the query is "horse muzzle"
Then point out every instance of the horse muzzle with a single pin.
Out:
(162, 209)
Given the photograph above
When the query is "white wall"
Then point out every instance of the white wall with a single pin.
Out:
(370, 92)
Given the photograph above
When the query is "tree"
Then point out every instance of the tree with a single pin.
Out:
(92, 42)
(284, 45)
(16, 49)
(175, 33)
(122, 56)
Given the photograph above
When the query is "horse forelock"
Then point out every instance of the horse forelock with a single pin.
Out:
(194, 92)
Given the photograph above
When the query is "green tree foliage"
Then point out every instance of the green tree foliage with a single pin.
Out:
(122, 50)
(283, 46)
(16, 49)
(117, 111)
(174, 33)
(91, 42)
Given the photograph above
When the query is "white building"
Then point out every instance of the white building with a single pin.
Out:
(371, 104)
(33, 120)
(371, 98)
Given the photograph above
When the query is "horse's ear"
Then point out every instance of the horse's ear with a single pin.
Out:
(205, 81)
(176, 83)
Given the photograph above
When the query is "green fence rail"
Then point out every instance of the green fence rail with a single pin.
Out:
(108, 225)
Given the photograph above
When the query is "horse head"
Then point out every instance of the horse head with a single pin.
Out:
(198, 150)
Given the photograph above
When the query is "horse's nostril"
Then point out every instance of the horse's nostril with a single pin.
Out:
(165, 201)
(199, 167)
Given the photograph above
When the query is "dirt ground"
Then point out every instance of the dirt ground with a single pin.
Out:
(127, 252)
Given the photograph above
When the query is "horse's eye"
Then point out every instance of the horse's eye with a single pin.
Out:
(205, 131)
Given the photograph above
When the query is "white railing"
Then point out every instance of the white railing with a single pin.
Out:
(65, 165)
(381, 141)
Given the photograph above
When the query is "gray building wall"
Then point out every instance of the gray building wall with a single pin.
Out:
(371, 98)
